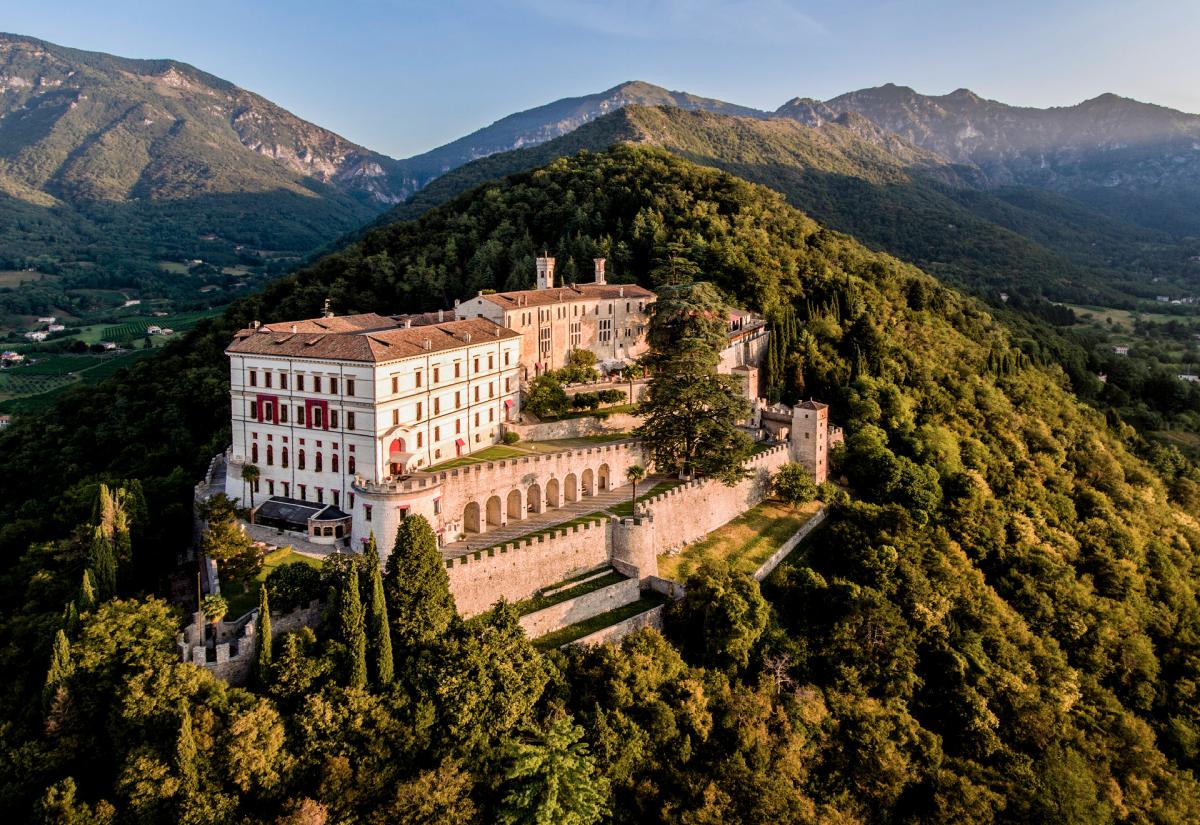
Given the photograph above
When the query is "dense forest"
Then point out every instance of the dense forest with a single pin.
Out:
(1000, 625)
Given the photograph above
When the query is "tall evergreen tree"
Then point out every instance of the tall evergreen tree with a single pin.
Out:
(553, 780)
(103, 563)
(61, 668)
(353, 631)
(262, 642)
(379, 633)
(185, 751)
(86, 600)
(416, 586)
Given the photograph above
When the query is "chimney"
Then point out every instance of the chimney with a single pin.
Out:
(456, 302)
(427, 344)
(622, 292)
(545, 272)
(408, 323)
(327, 312)
(441, 315)
(599, 262)
(293, 327)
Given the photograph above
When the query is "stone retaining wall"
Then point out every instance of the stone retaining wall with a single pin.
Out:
(614, 633)
(580, 608)
(788, 546)
(575, 427)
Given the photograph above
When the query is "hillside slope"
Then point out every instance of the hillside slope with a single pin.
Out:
(1003, 627)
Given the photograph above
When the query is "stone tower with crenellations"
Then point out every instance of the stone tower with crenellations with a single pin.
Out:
(810, 438)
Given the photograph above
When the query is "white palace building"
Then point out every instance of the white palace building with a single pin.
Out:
(344, 415)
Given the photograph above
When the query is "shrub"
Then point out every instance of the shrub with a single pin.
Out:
(510, 437)
(293, 585)
(585, 401)
(794, 484)
(611, 396)
(546, 397)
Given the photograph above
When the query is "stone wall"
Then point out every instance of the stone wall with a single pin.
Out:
(575, 427)
(788, 546)
(518, 570)
(690, 512)
(613, 633)
(579, 608)
(235, 641)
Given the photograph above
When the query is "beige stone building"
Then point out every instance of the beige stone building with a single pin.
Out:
(610, 320)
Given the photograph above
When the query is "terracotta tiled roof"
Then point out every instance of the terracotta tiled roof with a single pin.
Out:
(336, 323)
(566, 294)
(812, 405)
(367, 345)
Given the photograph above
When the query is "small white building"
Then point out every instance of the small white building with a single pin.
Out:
(55, 328)
(47, 319)
(108, 345)
(153, 329)
(37, 335)
(1121, 350)
(11, 357)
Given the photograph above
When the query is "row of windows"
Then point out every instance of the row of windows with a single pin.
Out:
(437, 429)
(437, 402)
(319, 383)
(278, 414)
(419, 375)
(302, 492)
(301, 463)
(577, 310)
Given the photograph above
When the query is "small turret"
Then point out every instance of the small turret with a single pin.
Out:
(545, 272)
(599, 262)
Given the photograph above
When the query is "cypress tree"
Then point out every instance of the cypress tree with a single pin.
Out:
(379, 632)
(416, 586)
(353, 629)
(87, 592)
(262, 642)
(185, 751)
(103, 564)
(61, 667)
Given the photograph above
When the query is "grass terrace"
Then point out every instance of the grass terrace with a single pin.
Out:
(243, 596)
(745, 542)
(523, 448)
(586, 585)
(599, 515)
(625, 508)
(580, 629)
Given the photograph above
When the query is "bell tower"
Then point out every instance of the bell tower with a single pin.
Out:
(545, 272)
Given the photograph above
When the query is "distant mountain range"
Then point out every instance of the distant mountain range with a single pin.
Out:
(188, 165)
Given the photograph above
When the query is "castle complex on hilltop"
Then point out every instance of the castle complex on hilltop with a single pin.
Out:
(344, 417)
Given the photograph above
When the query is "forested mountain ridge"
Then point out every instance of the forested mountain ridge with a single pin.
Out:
(1134, 160)
(1002, 627)
(552, 120)
(853, 177)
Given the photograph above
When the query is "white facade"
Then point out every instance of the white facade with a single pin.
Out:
(313, 425)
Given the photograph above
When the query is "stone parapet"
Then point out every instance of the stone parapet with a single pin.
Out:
(580, 608)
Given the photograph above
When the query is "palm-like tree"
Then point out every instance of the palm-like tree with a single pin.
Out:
(215, 608)
(250, 475)
(635, 474)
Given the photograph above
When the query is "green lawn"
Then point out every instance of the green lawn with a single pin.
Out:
(243, 596)
(522, 448)
(494, 453)
(577, 631)
(745, 543)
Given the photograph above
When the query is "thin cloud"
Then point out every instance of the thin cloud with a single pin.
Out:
(719, 21)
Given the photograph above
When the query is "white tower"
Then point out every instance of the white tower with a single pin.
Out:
(545, 272)
(809, 438)
(599, 262)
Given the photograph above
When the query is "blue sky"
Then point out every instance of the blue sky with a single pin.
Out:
(403, 77)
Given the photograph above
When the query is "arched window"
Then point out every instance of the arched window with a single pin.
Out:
(284, 456)
(350, 465)
(270, 455)
(320, 463)
(333, 463)
(253, 453)
(300, 460)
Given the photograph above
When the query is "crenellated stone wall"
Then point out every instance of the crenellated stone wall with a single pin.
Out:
(518, 570)
(233, 651)
(580, 608)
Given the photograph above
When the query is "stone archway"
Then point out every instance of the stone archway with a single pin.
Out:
(495, 516)
(533, 499)
(471, 521)
(589, 482)
(571, 488)
(553, 496)
(515, 510)
(602, 478)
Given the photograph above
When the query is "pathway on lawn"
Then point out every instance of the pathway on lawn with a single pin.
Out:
(549, 518)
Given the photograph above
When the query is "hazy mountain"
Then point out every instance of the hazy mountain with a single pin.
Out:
(543, 123)
(1133, 159)
(857, 178)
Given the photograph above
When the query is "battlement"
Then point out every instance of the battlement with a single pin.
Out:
(528, 541)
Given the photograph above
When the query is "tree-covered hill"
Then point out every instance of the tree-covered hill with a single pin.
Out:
(110, 165)
(1002, 627)
(856, 178)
